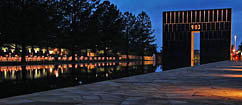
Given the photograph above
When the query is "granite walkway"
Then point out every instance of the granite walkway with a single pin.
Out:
(211, 84)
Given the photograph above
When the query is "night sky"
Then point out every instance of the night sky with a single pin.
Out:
(154, 9)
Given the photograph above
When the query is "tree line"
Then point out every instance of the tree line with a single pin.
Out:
(75, 25)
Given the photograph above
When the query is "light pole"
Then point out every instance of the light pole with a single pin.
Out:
(235, 37)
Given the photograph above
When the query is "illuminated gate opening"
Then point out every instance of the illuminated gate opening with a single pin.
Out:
(214, 26)
(195, 48)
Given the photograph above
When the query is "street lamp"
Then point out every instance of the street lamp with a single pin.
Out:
(235, 37)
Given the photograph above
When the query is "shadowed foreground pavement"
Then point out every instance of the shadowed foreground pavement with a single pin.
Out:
(211, 84)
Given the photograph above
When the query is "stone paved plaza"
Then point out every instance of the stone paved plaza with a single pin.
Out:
(210, 84)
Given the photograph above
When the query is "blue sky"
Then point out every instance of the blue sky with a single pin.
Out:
(154, 9)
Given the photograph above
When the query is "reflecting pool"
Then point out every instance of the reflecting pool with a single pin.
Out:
(18, 80)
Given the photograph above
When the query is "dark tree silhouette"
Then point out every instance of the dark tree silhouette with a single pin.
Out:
(76, 25)
(129, 22)
(76, 15)
(25, 22)
(146, 37)
(240, 46)
(108, 31)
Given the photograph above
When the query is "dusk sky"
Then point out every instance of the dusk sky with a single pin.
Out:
(154, 9)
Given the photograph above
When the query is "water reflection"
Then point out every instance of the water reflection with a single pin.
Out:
(16, 80)
(159, 69)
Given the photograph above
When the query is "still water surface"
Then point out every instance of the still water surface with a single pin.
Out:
(18, 80)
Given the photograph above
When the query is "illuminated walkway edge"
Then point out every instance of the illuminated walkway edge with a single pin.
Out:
(210, 84)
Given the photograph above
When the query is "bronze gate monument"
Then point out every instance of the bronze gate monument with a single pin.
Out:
(214, 26)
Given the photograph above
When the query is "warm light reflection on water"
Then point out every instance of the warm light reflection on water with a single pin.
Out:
(16, 80)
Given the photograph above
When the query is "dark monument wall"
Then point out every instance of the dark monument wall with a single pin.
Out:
(215, 36)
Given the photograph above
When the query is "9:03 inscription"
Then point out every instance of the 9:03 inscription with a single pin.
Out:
(195, 27)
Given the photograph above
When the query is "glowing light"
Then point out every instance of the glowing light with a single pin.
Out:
(86, 58)
(150, 58)
(51, 70)
(56, 74)
(233, 69)
(81, 57)
(76, 66)
(5, 74)
(51, 52)
(236, 58)
(227, 75)
(70, 65)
